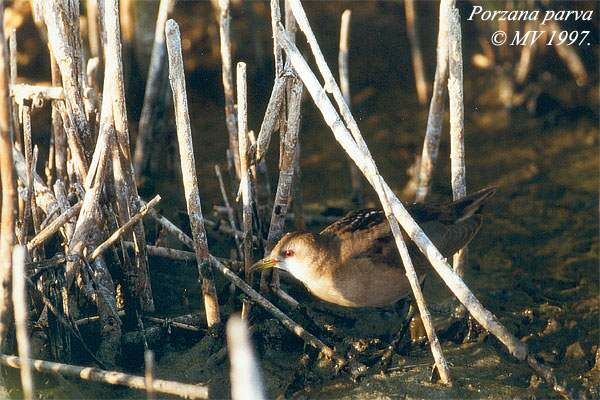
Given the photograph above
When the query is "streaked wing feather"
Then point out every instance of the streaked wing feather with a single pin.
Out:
(358, 232)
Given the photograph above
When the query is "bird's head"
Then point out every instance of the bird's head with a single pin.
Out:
(296, 253)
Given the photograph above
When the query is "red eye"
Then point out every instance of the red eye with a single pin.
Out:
(288, 253)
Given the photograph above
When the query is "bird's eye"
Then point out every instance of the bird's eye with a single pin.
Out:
(288, 253)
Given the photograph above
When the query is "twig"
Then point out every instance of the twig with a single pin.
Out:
(188, 167)
(53, 227)
(20, 302)
(230, 213)
(153, 93)
(112, 377)
(172, 229)
(180, 255)
(230, 115)
(37, 94)
(76, 146)
(457, 127)
(92, 318)
(355, 179)
(174, 322)
(112, 239)
(435, 120)
(9, 195)
(271, 118)
(149, 374)
(44, 197)
(415, 49)
(244, 373)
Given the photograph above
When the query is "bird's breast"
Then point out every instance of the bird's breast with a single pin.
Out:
(361, 285)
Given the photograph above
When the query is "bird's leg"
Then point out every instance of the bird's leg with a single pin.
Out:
(474, 330)
(389, 351)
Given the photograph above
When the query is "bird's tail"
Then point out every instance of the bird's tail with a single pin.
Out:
(471, 204)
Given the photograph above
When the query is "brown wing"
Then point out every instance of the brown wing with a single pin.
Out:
(358, 232)
(449, 238)
(366, 233)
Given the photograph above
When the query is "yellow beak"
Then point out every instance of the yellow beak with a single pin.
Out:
(264, 264)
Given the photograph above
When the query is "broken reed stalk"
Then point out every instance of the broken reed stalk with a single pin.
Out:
(44, 197)
(297, 201)
(184, 390)
(58, 133)
(62, 23)
(272, 118)
(245, 173)
(435, 119)
(21, 307)
(28, 151)
(172, 229)
(153, 93)
(230, 211)
(355, 179)
(36, 93)
(123, 229)
(361, 156)
(149, 374)
(457, 124)
(245, 181)
(289, 143)
(174, 323)
(188, 169)
(244, 370)
(9, 195)
(227, 77)
(415, 50)
(181, 255)
(53, 227)
(127, 199)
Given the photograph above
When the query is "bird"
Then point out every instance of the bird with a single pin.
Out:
(354, 261)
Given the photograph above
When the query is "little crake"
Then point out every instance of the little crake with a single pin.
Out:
(354, 261)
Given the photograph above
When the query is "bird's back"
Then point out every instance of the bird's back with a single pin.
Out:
(366, 233)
